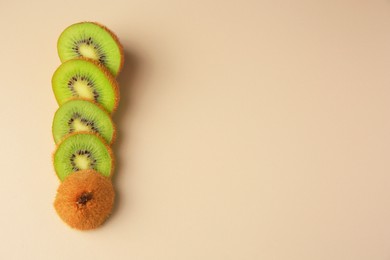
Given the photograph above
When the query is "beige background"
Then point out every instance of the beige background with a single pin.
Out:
(248, 130)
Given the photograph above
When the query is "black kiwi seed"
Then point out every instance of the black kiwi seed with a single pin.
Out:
(83, 120)
(90, 83)
(82, 152)
(89, 41)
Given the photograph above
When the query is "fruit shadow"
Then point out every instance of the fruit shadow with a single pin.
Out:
(127, 88)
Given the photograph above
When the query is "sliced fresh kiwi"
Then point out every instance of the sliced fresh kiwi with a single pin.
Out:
(94, 41)
(82, 151)
(85, 199)
(79, 115)
(85, 79)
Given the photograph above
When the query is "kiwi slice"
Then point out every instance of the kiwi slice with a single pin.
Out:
(93, 41)
(79, 115)
(82, 151)
(85, 79)
(85, 199)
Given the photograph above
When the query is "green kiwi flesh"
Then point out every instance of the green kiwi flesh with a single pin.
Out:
(93, 41)
(83, 151)
(82, 116)
(80, 78)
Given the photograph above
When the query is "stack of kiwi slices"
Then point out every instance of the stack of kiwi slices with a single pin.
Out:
(86, 90)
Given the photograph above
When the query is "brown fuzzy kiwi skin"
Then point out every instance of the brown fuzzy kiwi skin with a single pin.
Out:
(113, 139)
(116, 39)
(110, 152)
(85, 199)
(109, 76)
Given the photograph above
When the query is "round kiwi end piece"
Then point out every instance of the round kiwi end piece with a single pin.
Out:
(85, 199)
